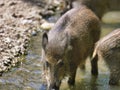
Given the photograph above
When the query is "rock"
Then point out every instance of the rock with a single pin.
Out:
(56, 2)
(2, 4)
(46, 14)
(12, 3)
(46, 26)
(1, 49)
(34, 33)
(26, 21)
(1, 31)
(7, 40)
(17, 15)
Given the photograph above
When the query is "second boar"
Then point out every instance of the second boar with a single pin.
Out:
(108, 48)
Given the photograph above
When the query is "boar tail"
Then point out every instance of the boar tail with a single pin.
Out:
(95, 52)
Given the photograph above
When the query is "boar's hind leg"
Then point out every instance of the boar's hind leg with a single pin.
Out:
(71, 80)
(94, 66)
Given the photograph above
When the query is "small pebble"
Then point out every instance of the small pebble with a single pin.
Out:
(33, 33)
(47, 26)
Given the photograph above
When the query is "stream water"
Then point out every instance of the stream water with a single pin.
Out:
(28, 75)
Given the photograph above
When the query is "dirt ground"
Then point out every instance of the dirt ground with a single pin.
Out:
(19, 19)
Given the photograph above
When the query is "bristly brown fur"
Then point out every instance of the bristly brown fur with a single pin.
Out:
(108, 48)
(70, 42)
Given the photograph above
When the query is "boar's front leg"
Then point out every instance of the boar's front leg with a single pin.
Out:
(114, 78)
(114, 71)
(73, 69)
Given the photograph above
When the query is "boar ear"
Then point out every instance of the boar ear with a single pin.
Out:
(44, 40)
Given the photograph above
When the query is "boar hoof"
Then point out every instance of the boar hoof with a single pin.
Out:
(94, 72)
(71, 82)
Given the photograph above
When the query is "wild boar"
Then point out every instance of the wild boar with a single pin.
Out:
(68, 44)
(99, 7)
(108, 48)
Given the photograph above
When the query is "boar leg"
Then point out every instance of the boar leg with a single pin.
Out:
(114, 71)
(71, 80)
(113, 61)
(94, 66)
(114, 77)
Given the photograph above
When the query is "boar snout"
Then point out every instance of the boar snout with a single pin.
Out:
(54, 86)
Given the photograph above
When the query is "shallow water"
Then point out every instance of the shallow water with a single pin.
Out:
(27, 75)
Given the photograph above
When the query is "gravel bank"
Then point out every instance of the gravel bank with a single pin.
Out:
(19, 19)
